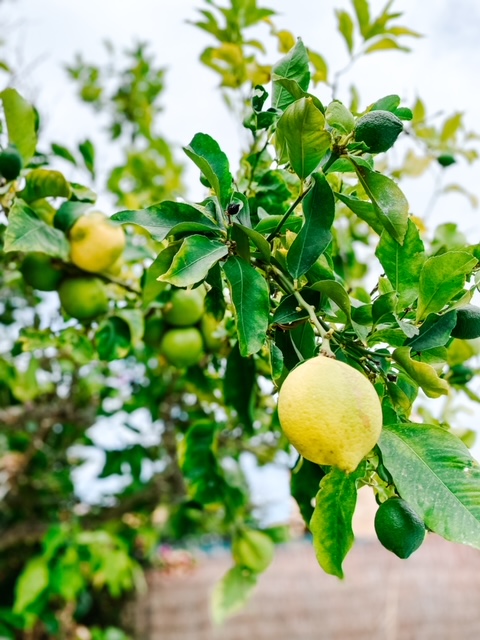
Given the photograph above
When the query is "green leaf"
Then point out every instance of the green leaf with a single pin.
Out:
(423, 374)
(44, 183)
(26, 232)
(435, 473)
(387, 103)
(336, 292)
(193, 260)
(362, 11)
(168, 218)
(232, 593)
(113, 339)
(304, 486)
(213, 163)
(388, 200)
(294, 66)
(403, 263)
(338, 116)
(31, 584)
(346, 27)
(258, 240)
(288, 311)
(62, 152)
(239, 384)
(21, 123)
(441, 278)
(384, 44)
(250, 299)
(270, 223)
(315, 234)
(434, 332)
(364, 210)
(331, 522)
(87, 150)
(297, 92)
(301, 135)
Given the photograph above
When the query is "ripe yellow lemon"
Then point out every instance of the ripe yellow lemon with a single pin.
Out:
(330, 412)
(96, 243)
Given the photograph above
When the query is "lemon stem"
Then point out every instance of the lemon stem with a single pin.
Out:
(289, 212)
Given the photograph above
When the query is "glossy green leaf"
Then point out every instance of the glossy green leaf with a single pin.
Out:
(363, 209)
(250, 299)
(403, 263)
(304, 484)
(336, 292)
(384, 44)
(193, 260)
(423, 374)
(232, 592)
(331, 522)
(294, 66)
(315, 235)
(258, 240)
(389, 202)
(151, 286)
(31, 584)
(87, 151)
(62, 152)
(441, 278)
(362, 12)
(213, 163)
(270, 223)
(301, 135)
(113, 339)
(26, 232)
(44, 183)
(21, 123)
(168, 218)
(297, 92)
(435, 473)
(434, 332)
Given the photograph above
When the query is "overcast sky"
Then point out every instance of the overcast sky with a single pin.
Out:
(443, 69)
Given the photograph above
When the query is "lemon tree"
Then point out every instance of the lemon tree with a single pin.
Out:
(299, 308)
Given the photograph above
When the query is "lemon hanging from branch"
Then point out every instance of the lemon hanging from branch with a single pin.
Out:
(330, 412)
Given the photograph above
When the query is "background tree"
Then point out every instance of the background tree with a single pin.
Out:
(195, 313)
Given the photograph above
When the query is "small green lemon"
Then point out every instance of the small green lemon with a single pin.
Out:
(83, 298)
(39, 272)
(182, 347)
(11, 163)
(330, 412)
(468, 323)
(96, 243)
(185, 307)
(378, 130)
(253, 549)
(213, 332)
(399, 528)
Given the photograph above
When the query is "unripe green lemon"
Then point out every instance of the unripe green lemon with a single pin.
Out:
(378, 130)
(96, 243)
(83, 298)
(399, 528)
(468, 323)
(39, 272)
(185, 307)
(182, 347)
(213, 332)
(253, 549)
(330, 412)
(11, 163)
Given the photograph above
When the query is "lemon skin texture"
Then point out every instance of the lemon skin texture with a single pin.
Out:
(378, 130)
(468, 323)
(398, 528)
(11, 163)
(96, 243)
(83, 298)
(182, 347)
(330, 412)
(185, 307)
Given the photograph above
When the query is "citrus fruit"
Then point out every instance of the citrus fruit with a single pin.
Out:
(330, 412)
(38, 271)
(11, 163)
(185, 307)
(213, 332)
(182, 347)
(83, 298)
(399, 528)
(253, 549)
(96, 242)
(468, 323)
(378, 130)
